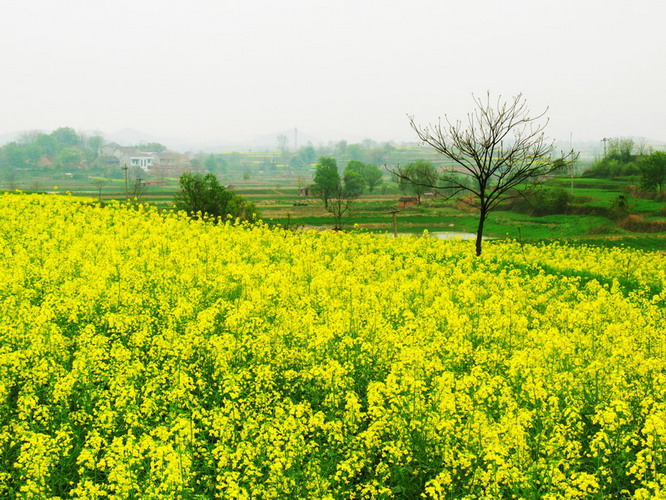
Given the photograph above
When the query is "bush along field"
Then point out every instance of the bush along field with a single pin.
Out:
(149, 355)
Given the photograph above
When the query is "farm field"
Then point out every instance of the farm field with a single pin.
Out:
(273, 184)
(277, 198)
(146, 354)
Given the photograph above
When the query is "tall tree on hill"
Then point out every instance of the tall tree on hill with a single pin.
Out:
(46, 145)
(501, 150)
(66, 137)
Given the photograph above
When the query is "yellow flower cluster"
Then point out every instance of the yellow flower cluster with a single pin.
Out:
(146, 355)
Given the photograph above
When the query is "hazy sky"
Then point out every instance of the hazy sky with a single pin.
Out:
(335, 69)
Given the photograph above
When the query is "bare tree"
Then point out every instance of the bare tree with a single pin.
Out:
(283, 146)
(348, 189)
(12, 179)
(501, 151)
(99, 183)
(138, 189)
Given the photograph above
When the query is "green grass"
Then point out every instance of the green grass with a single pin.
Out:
(278, 200)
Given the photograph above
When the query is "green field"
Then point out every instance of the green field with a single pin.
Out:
(276, 195)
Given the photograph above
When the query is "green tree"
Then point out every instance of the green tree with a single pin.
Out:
(215, 164)
(31, 153)
(308, 153)
(68, 157)
(46, 145)
(374, 177)
(296, 162)
(371, 174)
(303, 158)
(358, 168)
(95, 143)
(327, 179)
(620, 149)
(13, 155)
(355, 152)
(341, 149)
(353, 184)
(419, 176)
(653, 171)
(501, 151)
(203, 195)
(66, 137)
(618, 160)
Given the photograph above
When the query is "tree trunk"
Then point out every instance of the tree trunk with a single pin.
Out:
(479, 231)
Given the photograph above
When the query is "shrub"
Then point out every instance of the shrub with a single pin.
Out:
(619, 208)
(637, 224)
(606, 228)
(544, 201)
(203, 195)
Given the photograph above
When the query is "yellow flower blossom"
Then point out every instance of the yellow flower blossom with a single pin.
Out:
(147, 355)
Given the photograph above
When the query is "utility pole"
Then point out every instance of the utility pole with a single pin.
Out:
(604, 141)
(572, 163)
(125, 169)
(394, 212)
(295, 139)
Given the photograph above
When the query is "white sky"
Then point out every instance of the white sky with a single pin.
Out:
(225, 70)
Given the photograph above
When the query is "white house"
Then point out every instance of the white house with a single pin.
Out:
(145, 161)
(158, 163)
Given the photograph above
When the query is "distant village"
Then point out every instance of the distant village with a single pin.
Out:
(156, 163)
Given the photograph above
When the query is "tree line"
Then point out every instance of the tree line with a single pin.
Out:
(62, 148)
(338, 192)
(624, 157)
(295, 161)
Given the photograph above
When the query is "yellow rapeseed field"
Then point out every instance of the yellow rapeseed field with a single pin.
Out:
(146, 355)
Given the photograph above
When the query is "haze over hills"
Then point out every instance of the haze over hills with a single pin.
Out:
(130, 136)
(589, 150)
(295, 139)
(9, 137)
